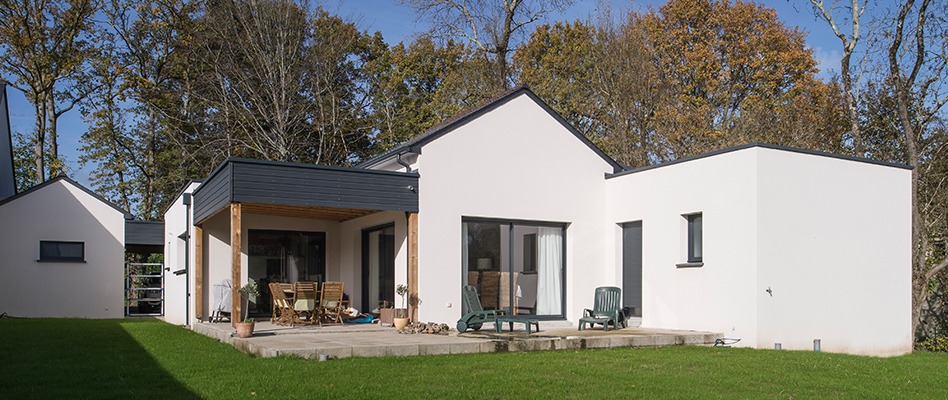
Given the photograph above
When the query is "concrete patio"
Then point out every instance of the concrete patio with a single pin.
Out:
(372, 340)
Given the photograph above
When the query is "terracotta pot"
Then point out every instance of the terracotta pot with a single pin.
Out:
(244, 329)
(401, 323)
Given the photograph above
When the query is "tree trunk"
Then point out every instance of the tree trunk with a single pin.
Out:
(55, 165)
(851, 104)
(39, 151)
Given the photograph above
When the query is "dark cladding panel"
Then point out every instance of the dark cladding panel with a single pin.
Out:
(148, 233)
(214, 194)
(321, 186)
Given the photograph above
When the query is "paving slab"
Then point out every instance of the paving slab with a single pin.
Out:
(371, 340)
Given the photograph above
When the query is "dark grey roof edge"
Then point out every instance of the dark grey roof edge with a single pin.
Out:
(181, 191)
(766, 146)
(139, 221)
(24, 193)
(414, 144)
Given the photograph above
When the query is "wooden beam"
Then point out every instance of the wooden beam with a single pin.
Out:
(413, 266)
(235, 214)
(198, 272)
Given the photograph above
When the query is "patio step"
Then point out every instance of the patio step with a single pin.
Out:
(356, 341)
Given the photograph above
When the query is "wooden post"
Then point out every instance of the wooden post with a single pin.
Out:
(235, 215)
(413, 266)
(198, 272)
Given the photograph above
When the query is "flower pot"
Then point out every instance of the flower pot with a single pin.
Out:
(244, 329)
(401, 323)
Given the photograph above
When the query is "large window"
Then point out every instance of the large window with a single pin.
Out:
(519, 266)
(55, 251)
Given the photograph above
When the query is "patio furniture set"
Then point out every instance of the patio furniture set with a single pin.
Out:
(607, 309)
(307, 303)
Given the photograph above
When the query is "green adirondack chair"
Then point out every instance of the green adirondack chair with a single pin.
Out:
(476, 315)
(607, 308)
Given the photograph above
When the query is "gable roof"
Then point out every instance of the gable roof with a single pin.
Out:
(72, 182)
(415, 144)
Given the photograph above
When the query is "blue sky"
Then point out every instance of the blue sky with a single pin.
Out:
(398, 22)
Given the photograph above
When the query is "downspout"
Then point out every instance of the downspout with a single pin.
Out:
(186, 200)
(398, 159)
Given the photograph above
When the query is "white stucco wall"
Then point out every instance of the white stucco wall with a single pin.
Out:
(718, 296)
(514, 162)
(835, 249)
(829, 237)
(176, 222)
(61, 211)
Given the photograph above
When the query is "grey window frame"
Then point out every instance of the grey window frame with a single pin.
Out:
(691, 218)
(80, 259)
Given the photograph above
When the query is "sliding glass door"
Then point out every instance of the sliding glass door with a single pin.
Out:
(378, 267)
(516, 265)
(283, 256)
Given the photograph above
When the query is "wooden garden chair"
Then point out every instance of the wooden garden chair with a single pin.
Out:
(331, 305)
(282, 305)
(304, 301)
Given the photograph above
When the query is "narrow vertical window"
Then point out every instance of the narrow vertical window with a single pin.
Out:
(694, 238)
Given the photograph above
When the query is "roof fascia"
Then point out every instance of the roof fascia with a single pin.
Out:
(764, 146)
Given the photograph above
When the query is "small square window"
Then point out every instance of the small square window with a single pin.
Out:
(694, 238)
(62, 251)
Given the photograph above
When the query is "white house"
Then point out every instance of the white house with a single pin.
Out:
(763, 243)
(63, 252)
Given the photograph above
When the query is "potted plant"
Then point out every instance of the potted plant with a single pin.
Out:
(401, 314)
(246, 292)
(245, 328)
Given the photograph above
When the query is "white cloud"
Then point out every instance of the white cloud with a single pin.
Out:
(827, 61)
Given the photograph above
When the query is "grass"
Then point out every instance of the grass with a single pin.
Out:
(55, 358)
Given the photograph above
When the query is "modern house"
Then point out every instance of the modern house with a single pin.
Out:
(63, 253)
(758, 242)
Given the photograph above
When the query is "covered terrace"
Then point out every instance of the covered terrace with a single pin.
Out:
(243, 194)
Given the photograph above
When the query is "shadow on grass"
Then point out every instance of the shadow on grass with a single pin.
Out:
(74, 358)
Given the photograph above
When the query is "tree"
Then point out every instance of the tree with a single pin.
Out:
(494, 27)
(849, 41)
(742, 77)
(917, 66)
(46, 45)
(133, 113)
(411, 87)
(729, 60)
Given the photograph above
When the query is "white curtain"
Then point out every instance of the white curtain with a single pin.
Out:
(549, 270)
(292, 269)
(465, 242)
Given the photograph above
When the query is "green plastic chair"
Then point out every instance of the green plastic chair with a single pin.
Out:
(476, 315)
(607, 308)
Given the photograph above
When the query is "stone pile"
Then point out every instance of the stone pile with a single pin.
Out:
(429, 327)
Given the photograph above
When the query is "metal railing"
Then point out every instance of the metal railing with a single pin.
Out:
(144, 289)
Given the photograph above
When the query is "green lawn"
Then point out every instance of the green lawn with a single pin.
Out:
(50, 359)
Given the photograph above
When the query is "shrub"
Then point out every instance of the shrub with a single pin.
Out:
(937, 344)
